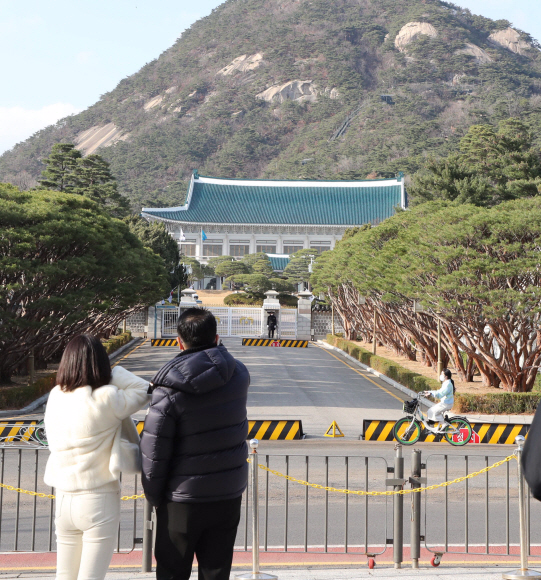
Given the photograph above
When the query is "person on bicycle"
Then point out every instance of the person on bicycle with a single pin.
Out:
(447, 398)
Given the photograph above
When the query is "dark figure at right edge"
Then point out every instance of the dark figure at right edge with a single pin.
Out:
(272, 323)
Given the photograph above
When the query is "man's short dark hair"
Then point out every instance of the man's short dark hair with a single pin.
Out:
(197, 327)
(84, 363)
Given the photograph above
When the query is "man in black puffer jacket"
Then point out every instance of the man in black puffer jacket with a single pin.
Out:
(194, 452)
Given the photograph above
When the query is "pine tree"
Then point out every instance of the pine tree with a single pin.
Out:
(61, 168)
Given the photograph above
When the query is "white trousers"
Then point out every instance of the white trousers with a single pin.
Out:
(86, 532)
(435, 413)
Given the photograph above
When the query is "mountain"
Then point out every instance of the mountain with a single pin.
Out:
(301, 89)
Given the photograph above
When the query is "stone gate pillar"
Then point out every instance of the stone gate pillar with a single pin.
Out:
(304, 315)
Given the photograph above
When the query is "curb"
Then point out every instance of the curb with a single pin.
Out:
(31, 407)
(384, 378)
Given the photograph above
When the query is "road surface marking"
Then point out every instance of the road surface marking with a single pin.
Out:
(362, 374)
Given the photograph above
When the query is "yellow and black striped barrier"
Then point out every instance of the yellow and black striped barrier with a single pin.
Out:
(163, 342)
(275, 430)
(13, 431)
(281, 342)
(491, 433)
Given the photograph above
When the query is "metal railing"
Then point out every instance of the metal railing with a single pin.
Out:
(27, 520)
(345, 512)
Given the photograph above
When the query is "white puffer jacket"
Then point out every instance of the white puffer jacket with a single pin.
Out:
(83, 430)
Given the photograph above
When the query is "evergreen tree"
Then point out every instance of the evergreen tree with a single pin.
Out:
(60, 173)
(157, 238)
(492, 166)
(298, 271)
(94, 179)
(264, 267)
(68, 171)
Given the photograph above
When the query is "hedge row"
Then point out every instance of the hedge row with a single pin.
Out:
(497, 403)
(19, 397)
(115, 342)
(389, 368)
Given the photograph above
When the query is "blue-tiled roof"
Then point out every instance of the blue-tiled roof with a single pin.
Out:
(278, 263)
(212, 200)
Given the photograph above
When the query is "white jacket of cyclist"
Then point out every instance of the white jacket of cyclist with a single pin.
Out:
(445, 393)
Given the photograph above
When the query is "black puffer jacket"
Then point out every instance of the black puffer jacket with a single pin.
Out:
(194, 440)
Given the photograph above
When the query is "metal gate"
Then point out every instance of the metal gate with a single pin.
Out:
(169, 322)
(245, 322)
(238, 321)
(287, 323)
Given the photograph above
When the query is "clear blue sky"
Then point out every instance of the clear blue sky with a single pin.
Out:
(59, 56)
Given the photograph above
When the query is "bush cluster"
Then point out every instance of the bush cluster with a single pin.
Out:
(115, 342)
(497, 403)
(244, 299)
(389, 368)
(18, 397)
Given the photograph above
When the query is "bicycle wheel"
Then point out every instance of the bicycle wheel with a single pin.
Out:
(40, 434)
(407, 431)
(459, 432)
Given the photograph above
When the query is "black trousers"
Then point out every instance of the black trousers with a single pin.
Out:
(206, 530)
(271, 331)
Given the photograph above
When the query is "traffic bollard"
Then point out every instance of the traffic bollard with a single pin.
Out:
(415, 529)
(255, 574)
(523, 572)
(398, 509)
(147, 537)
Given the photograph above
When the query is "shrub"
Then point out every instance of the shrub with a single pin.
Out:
(288, 300)
(243, 299)
(497, 403)
(19, 397)
(115, 342)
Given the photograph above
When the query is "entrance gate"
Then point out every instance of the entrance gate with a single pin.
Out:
(169, 321)
(246, 322)
(287, 323)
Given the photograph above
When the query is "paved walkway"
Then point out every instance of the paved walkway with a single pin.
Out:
(441, 573)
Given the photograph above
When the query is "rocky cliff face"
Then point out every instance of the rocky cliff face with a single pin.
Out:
(511, 39)
(410, 31)
(301, 89)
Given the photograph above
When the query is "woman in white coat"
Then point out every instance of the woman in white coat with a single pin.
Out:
(447, 398)
(88, 426)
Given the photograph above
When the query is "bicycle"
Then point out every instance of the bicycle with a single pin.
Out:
(407, 431)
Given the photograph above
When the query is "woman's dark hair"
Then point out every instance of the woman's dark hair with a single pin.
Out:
(197, 327)
(84, 363)
(447, 374)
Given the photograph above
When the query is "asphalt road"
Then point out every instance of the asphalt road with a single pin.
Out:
(309, 384)
(316, 387)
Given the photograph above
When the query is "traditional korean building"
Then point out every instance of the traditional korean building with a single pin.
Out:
(242, 216)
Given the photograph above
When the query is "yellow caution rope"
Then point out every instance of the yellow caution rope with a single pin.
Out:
(313, 485)
(379, 493)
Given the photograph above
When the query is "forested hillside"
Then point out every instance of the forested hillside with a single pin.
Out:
(301, 89)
